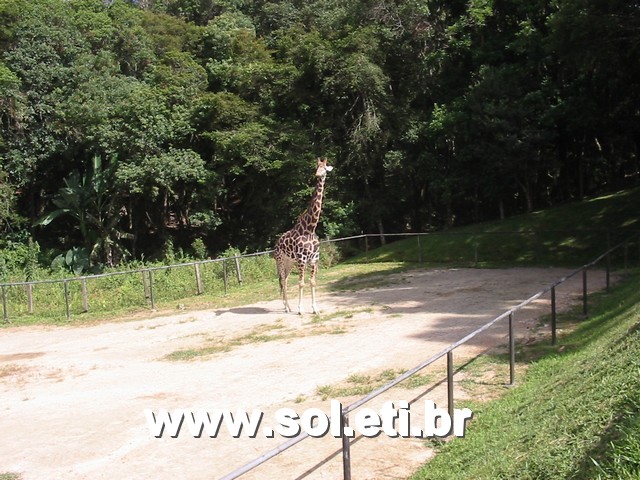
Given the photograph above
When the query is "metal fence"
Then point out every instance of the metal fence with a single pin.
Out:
(139, 287)
(448, 353)
(229, 270)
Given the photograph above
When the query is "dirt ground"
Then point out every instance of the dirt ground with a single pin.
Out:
(72, 398)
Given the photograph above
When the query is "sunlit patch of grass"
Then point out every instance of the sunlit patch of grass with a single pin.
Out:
(260, 334)
(362, 384)
(10, 476)
(346, 314)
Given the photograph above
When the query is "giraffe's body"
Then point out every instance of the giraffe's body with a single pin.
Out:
(300, 245)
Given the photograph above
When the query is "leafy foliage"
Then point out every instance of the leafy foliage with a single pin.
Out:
(434, 114)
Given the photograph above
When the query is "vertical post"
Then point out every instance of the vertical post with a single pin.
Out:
(30, 298)
(512, 352)
(5, 313)
(66, 299)
(553, 316)
(238, 270)
(419, 250)
(151, 296)
(450, 382)
(608, 270)
(224, 276)
(366, 244)
(584, 292)
(145, 285)
(346, 447)
(199, 289)
(85, 302)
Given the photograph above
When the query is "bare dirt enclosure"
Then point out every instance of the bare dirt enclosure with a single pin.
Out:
(72, 398)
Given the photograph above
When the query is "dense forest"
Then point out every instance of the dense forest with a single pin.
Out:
(127, 126)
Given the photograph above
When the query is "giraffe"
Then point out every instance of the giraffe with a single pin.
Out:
(300, 245)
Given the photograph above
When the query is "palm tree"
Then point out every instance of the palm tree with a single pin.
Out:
(90, 199)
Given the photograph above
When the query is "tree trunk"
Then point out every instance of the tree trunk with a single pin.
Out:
(376, 213)
(381, 231)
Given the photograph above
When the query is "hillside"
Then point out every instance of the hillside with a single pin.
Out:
(574, 415)
(570, 234)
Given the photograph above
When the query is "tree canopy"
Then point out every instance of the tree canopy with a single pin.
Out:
(206, 115)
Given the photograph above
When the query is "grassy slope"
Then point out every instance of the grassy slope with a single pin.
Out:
(571, 234)
(575, 414)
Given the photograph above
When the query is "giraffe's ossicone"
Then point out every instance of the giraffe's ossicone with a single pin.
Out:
(300, 246)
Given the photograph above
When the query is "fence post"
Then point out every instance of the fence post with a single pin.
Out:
(30, 298)
(224, 276)
(346, 446)
(151, 296)
(85, 302)
(199, 288)
(553, 316)
(66, 299)
(450, 382)
(584, 292)
(419, 250)
(238, 270)
(145, 286)
(512, 353)
(5, 313)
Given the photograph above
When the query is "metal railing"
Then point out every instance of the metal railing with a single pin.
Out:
(448, 352)
(147, 284)
(147, 275)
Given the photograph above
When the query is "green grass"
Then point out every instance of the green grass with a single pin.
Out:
(571, 234)
(573, 416)
(259, 334)
(10, 476)
(361, 384)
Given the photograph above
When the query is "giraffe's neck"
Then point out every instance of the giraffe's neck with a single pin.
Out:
(308, 221)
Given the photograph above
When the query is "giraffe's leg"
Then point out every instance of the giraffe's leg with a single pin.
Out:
(301, 288)
(283, 277)
(312, 282)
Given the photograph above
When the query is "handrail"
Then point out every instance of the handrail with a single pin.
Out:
(446, 351)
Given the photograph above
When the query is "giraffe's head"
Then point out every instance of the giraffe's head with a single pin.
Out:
(323, 168)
